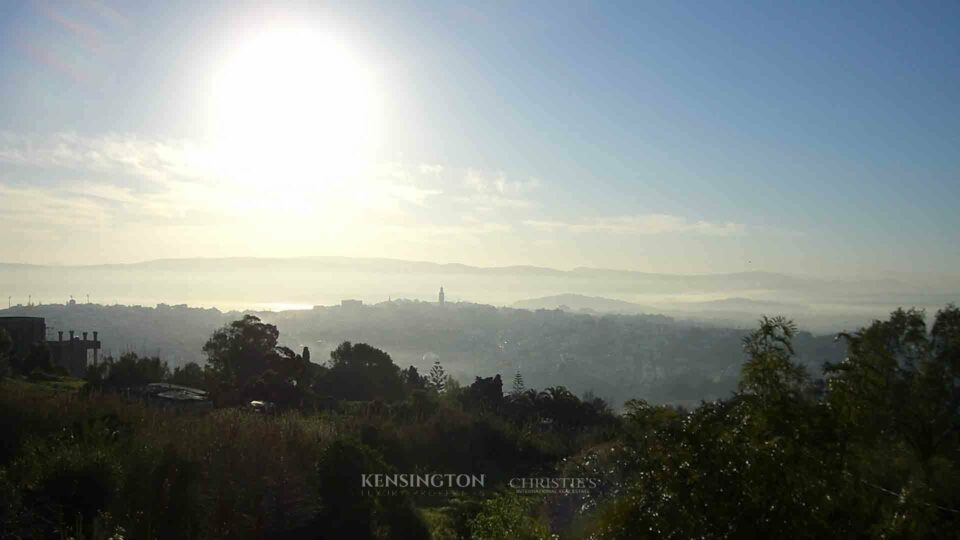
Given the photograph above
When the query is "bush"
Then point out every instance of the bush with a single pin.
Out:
(42, 375)
(508, 517)
(347, 511)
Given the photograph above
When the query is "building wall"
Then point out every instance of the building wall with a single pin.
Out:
(71, 354)
(25, 331)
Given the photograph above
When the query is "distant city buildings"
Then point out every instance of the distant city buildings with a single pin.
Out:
(442, 296)
(351, 304)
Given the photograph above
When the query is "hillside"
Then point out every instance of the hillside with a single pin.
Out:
(615, 356)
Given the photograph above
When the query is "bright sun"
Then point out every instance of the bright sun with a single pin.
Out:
(293, 108)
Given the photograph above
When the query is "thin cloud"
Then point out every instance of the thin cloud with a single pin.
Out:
(448, 231)
(127, 179)
(113, 154)
(89, 35)
(647, 224)
(49, 208)
(471, 189)
(496, 191)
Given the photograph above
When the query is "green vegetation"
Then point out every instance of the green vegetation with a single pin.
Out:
(619, 357)
(872, 450)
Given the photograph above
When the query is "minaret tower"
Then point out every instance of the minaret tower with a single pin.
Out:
(441, 295)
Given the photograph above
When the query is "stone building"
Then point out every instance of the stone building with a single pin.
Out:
(73, 353)
(25, 332)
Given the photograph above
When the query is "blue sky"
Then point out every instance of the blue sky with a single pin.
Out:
(813, 138)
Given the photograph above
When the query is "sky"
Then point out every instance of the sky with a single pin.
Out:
(818, 138)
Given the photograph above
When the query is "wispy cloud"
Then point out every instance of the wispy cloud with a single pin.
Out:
(88, 34)
(135, 178)
(647, 224)
(43, 207)
(463, 230)
(125, 187)
(486, 191)
(468, 188)
(125, 155)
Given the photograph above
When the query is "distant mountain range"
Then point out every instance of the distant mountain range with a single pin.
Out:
(742, 305)
(578, 302)
(302, 282)
(736, 280)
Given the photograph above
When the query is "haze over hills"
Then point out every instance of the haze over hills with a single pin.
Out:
(616, 356)
(579, 302)
(332, 263)
(284, 283)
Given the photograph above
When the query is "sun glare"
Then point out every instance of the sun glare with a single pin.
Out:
(293, 108)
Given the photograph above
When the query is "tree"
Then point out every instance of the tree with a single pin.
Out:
(486, 393)
(518, 386)
(769, 372)
(412, 379)
(362, 373)
(346, 511)
(560, 405)
(245, 362)
(37, 359)
(437, 379)
(131, 370)
(765, 463)
(508, 517)
(897, 400)
(240, 352)
(190, 375)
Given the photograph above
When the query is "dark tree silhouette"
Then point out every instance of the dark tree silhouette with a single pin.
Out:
(245, 362)
(346, 511)
(412, 379)
(486, 393)
(361, 373)
(239, 352)
(191, 375)
(130, 370)
(37, 359)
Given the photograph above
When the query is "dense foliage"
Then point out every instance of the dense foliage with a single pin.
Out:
(871, 450)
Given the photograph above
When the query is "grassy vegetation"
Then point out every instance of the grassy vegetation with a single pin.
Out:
(92, 464)
(873, 451)
(155, 472)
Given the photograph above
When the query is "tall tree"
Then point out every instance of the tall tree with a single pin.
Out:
(769, 372)
(241, 350)
(437, 378)
(897, 399)
(240, 354)
(518, 386)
